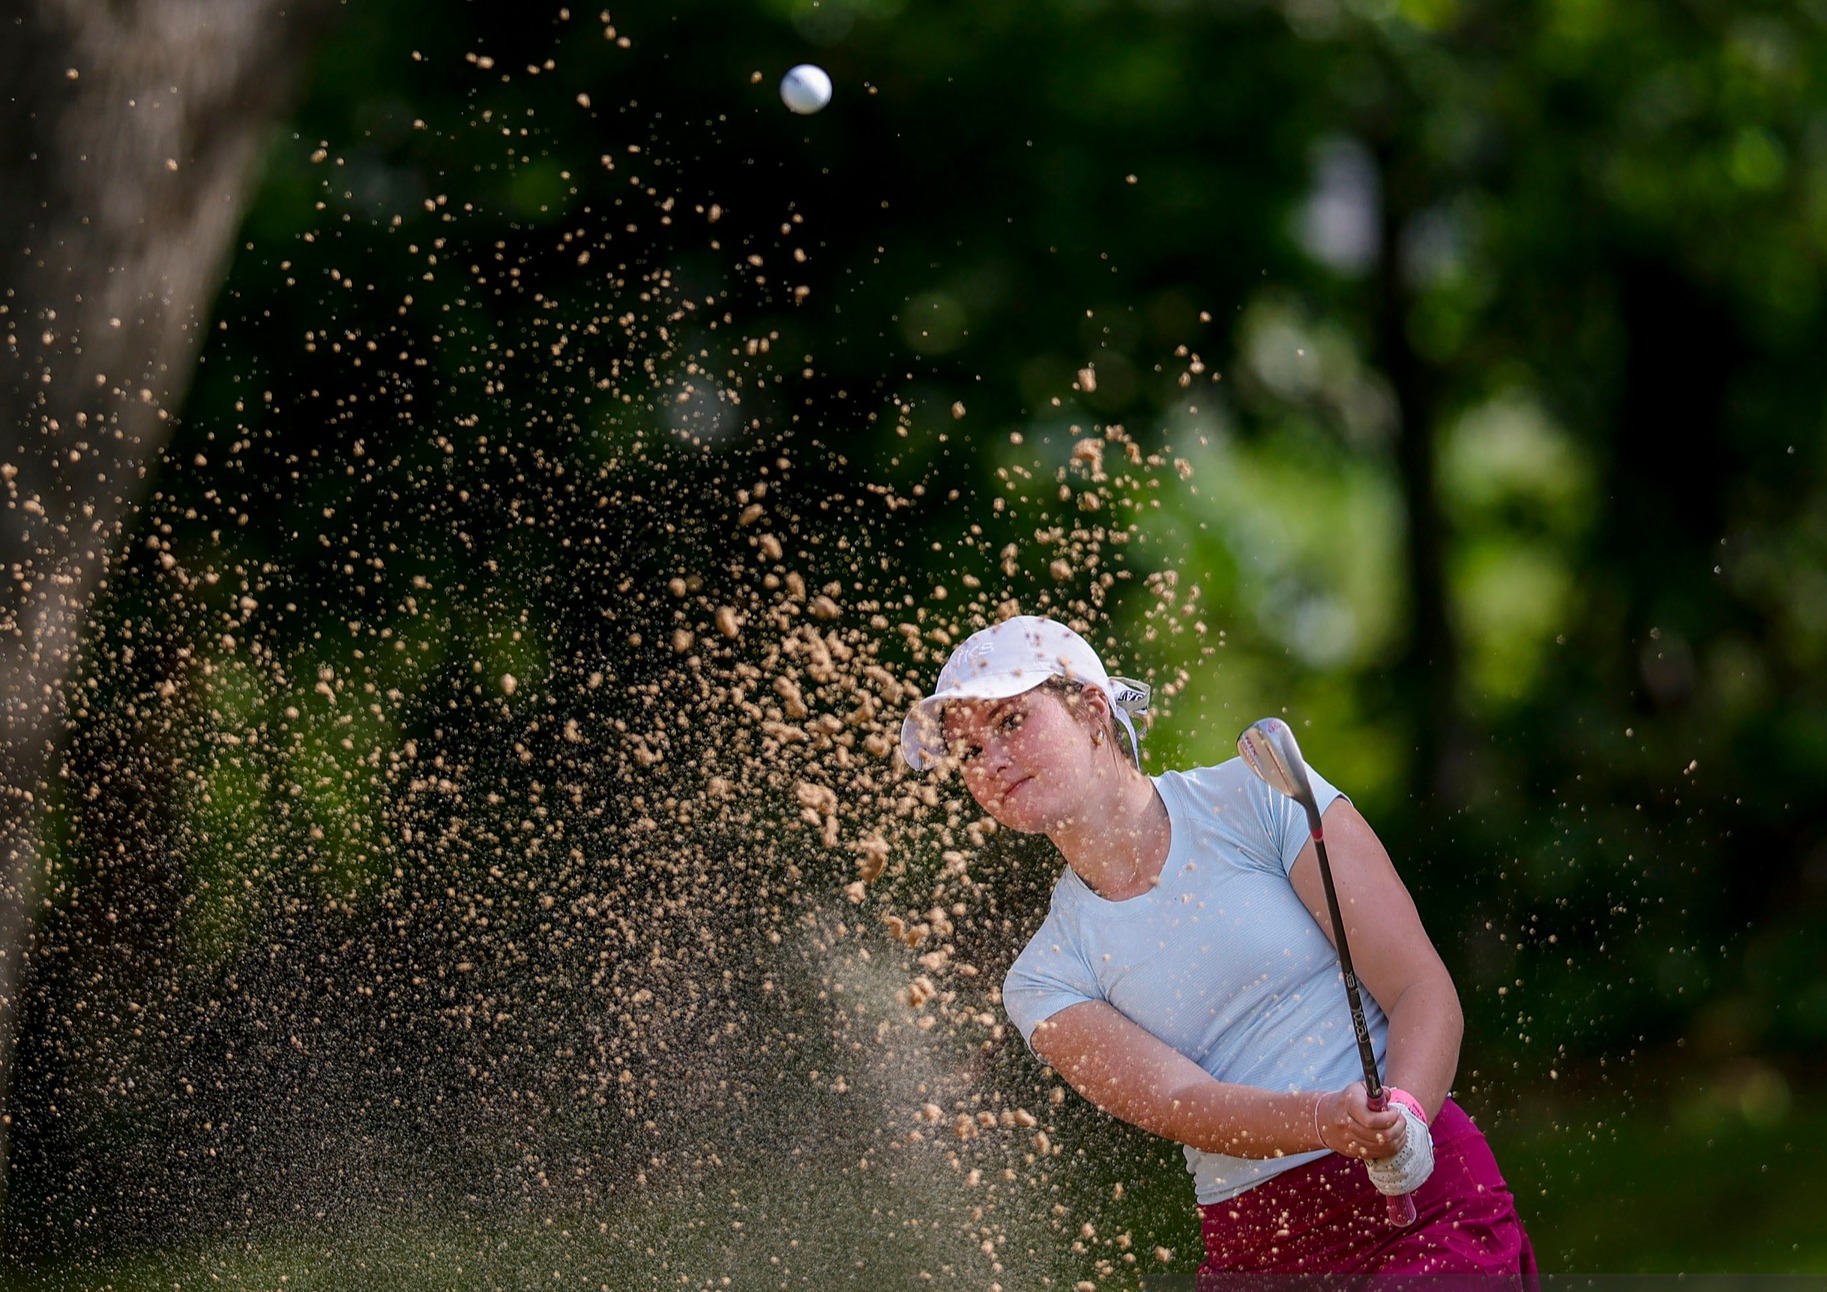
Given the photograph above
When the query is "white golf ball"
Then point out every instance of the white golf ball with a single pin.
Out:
(805, 89)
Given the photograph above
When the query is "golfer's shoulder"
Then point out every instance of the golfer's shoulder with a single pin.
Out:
(1221, 785)
(1064, 925)
(1061, 941)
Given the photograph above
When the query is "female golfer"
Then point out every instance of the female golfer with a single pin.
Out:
(1185, 979)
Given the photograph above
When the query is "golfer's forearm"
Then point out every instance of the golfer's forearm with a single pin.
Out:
(1219, 1117)
(1425, 1027)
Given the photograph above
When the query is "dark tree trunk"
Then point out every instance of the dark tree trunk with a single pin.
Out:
(1666, 508)
(129, 133)
(1428, 674)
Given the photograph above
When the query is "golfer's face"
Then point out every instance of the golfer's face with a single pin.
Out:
(1016, 755)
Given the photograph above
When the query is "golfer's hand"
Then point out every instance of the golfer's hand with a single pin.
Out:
(1347, 1126)
(1406, 1169)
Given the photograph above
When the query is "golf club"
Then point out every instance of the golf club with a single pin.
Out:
(1269, 748)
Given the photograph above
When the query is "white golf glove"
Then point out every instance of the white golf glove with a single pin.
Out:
(1408, 1167)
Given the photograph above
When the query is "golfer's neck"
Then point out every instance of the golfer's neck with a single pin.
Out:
(1119, 839)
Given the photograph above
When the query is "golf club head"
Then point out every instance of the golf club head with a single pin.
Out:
(1270, 750)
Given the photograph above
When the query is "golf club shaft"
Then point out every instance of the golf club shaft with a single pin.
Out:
(1401, 1206)
(1273, 754)
(1372, 1082)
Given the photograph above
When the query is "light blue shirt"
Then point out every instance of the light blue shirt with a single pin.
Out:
(1220, 959)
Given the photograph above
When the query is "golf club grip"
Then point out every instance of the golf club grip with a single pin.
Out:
(1401, 1206)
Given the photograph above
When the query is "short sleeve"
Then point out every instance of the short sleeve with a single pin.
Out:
(1285, 821)
(1050, 974)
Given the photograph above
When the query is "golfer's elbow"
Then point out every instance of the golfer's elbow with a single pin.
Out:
(1430, 991)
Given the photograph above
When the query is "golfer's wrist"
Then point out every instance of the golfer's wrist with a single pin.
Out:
(1408, 1101)
(1319, 1115)
(1297, 1122)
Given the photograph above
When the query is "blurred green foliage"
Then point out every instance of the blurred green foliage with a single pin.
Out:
(1488, 336)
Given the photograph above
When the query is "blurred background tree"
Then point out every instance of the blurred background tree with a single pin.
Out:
(130, 134)
(1441, 373)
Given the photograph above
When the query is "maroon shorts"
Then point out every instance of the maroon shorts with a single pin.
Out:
(1324, 1222)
